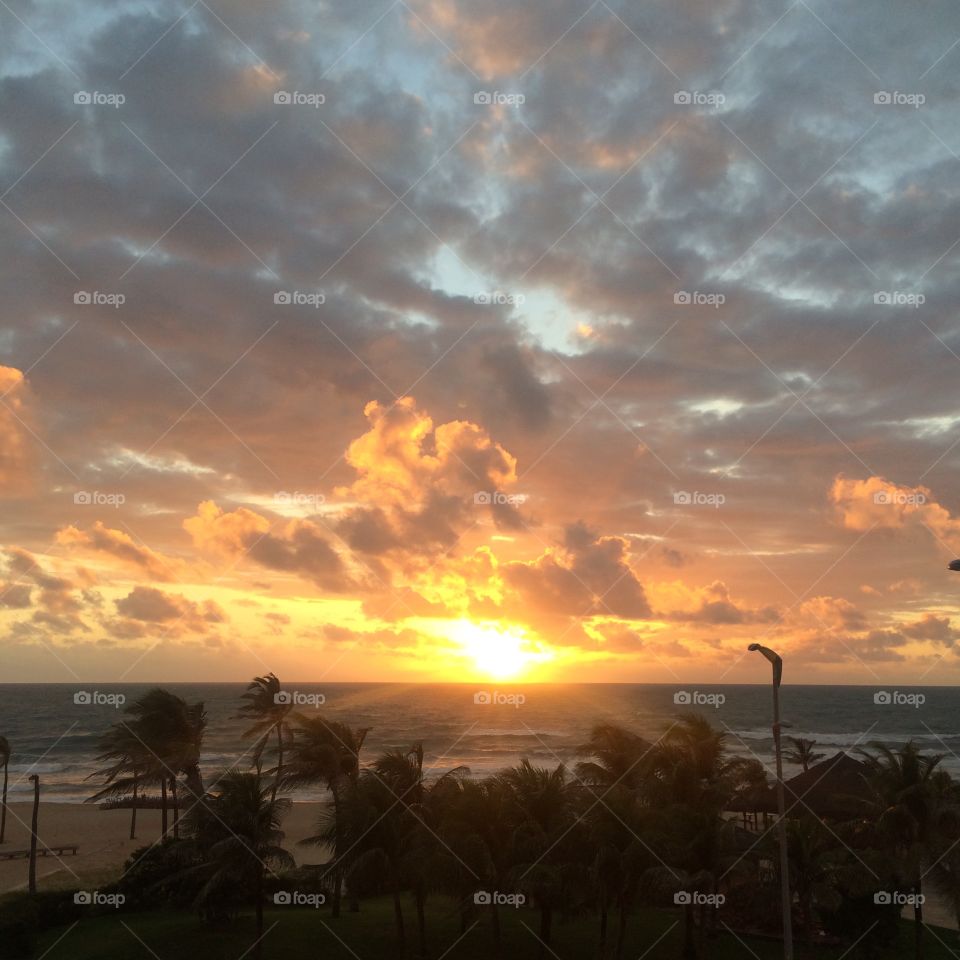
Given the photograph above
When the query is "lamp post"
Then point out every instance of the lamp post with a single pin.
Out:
(785, 897)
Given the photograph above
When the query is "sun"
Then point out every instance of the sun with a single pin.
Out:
(499, 651)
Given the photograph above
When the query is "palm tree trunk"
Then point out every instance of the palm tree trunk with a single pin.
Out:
(601, 953)
(621, 928)
(175, 803)
(276, 781)
(398, 914)
(918, 921)
(3, 807)
(421, 920)
(337, 866)
(258, 951)
(163, 807)
(546, 922)
(133, 813)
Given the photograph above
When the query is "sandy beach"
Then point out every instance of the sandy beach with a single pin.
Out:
(105, 844)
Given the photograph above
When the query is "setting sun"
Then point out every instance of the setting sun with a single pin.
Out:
(497, 651)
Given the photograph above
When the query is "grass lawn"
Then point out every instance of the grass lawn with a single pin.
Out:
(369, 935)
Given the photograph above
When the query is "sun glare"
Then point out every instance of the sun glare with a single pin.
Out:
(497, 651)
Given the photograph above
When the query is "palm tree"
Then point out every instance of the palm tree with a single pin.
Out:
(238, 830)
(909, 793)
(130, 764)
(402, 772)
(5, 759)
(172, 731)
(619, 756)
(802, 753)
(327, 752)
(545, 835)
(269, 709)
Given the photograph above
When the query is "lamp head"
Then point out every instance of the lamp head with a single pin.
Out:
(953, 565)
(773, 657)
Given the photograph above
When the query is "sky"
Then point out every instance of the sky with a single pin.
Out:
(471, 339)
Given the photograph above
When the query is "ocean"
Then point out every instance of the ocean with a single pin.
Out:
(483, 727)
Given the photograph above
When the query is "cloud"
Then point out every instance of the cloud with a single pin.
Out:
(879, 503)
(149, 605)
(16, 455)
(120, 546)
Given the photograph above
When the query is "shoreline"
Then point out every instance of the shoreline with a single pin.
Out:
(103, 836)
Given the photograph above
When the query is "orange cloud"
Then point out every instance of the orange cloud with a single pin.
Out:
(121, 546)
(14, 444)
(879, 503)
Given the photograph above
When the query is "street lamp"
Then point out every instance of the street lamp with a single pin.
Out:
(777, 664)
(953, 565)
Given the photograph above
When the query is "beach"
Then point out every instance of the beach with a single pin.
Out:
(104, 842)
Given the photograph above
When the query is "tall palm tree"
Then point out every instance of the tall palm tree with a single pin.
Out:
(327, 752)
(269, 710)
(545, 833)
(402, 772)
(171, 730)
(801, 752)
(5, 759)
(130, 764)
(908, 795)
(238, 829)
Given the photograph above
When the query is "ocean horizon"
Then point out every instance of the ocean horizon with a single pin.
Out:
(54, 729)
